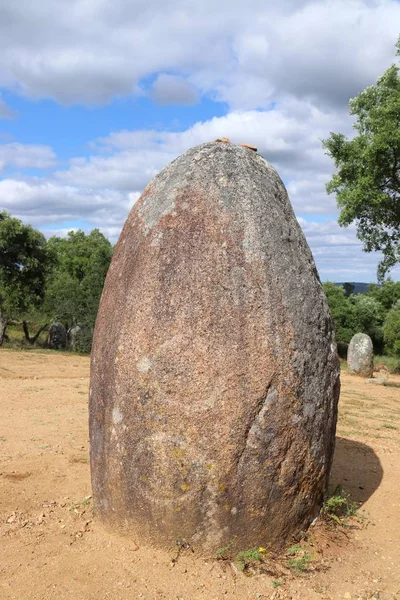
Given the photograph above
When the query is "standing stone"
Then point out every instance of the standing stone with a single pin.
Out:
(73, 336)
(57, 336)
(360, 355)
(214, 376)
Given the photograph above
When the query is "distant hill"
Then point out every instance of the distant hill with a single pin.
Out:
(358, 288)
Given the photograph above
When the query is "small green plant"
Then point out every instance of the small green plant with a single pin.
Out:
(246, 558)
(225, 551)
(277, 583)
(338, 507)
(301, 558)
(76, 507)
(293, 550)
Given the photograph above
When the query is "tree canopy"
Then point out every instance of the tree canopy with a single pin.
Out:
(25, 263)
(367, 181)
(391, 330)
(75, 286)
(343, 312)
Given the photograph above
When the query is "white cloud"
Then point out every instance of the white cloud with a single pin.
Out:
(42, 202)
(24, 156)
(95, 50)
(101, 189)
(170, 89)
(338, 253)
(288, 136)
(286, 69)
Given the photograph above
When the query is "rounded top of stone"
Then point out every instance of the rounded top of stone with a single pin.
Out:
(238, 159)
(234, 174)
(222, 144)
(361, 339)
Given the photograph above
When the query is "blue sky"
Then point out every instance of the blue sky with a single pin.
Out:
(93, 105)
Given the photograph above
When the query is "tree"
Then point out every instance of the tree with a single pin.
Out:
(348, 288)
(25, 264)
(391, 330)
(386, 294)
(369, 317)
(77, 281)
(342, 311)
(367, 181)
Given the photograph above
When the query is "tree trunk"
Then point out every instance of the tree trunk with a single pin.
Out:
(3, 324)
(32, 340)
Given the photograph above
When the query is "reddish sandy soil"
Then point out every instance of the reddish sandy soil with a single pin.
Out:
(53, 547)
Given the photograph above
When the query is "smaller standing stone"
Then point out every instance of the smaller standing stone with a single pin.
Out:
(360, 355)
(73, 336)
(57, 336)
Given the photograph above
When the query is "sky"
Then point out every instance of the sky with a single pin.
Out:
(97, 96)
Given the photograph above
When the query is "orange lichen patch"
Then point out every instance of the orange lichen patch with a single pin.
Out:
(249, 147)
(223, 139)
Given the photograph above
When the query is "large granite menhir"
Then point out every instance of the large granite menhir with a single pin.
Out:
(215, 377)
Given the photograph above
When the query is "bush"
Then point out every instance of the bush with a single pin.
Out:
(391, 363)
(391, 330)
(342, 348)
(84, 340)
(343, 312)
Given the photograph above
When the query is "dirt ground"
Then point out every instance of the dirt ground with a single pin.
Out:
(53, 547)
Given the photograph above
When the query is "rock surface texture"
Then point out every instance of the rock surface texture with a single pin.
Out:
(360, 355)
(215, 377)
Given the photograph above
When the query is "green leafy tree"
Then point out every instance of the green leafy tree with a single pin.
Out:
(367, 181)
(391, 330)
(78, 278)
(369, 317)
(342, 311)
(348, 289)
(386, 294)
(25, 264)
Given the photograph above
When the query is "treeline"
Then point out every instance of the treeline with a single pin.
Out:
(47, 281)
(375, 312)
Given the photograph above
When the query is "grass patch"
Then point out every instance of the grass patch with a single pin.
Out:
(392, 363)
(339, 507)
(247, 558)
(16, 338)
(225, 551)
(300, 559)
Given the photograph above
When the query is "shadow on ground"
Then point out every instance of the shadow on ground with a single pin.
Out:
(356, 468)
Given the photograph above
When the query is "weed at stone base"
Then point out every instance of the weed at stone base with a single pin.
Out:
(246, 558)
(301, 559)
(225, 551)
(79, 508)
(339, 507)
